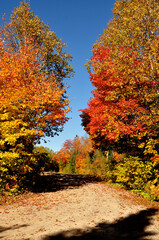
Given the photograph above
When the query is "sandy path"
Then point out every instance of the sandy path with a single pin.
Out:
(91, 211)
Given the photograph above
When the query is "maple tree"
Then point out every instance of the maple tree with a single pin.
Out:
(83, 148)
(64, 154)
(73, 157)
(33, 99)
(26, 93)
(124, 69)
(30, 106)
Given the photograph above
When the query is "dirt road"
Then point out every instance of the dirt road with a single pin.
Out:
(74, 207)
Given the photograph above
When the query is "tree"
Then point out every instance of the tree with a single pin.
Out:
(27, 95)
(30, 106)
(124, 69)
(38, 53)
(74, 156)
(23, 25)
(64, 154)
(33, 103)
(46, 157)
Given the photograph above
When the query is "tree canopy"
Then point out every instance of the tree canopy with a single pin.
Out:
(124, 70)
(33, 99)
(25, 24)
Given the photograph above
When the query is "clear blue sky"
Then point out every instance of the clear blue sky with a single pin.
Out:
(79, 24)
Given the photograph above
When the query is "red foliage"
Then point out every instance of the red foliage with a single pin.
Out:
(123, 96)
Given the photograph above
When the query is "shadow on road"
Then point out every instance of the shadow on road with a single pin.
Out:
(132, 227)
(3, 229)
(52, 182)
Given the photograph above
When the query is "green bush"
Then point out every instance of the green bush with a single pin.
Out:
(45, 158)
(18, 174)
(134, 173)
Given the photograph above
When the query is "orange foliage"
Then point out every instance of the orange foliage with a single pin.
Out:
(80, 148)
(27, 94)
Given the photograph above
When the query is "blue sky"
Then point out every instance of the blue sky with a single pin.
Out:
(79, 24)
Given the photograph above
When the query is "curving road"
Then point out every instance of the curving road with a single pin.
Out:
(73, 207)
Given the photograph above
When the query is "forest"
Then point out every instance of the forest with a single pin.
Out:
(121, 120)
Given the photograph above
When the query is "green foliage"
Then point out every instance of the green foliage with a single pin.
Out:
(98, 164)
(20, 173)
(46, 159)
(72, 164)
(103, 165)
(134, 173)
(148, 195)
